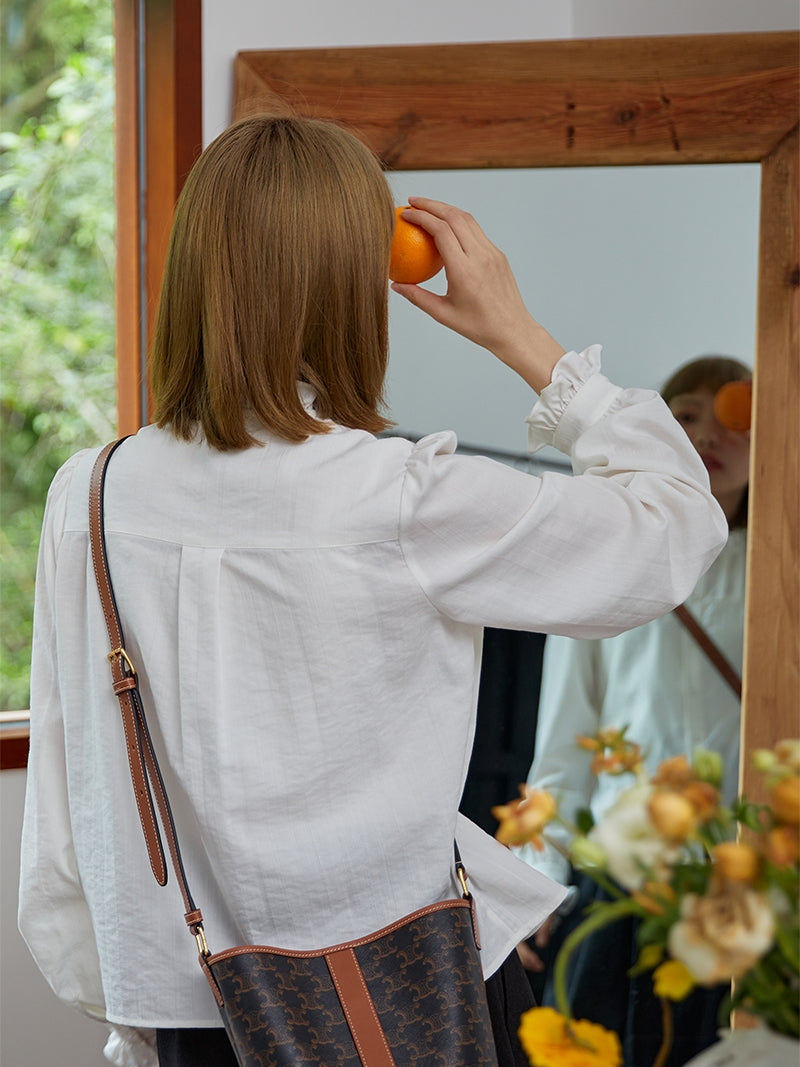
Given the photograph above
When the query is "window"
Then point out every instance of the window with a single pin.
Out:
(119, 89)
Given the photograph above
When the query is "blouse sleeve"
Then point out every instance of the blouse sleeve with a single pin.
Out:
(585, 556)
(570, 703)
(54, 917)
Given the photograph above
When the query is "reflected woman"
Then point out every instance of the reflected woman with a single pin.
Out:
(674, 699)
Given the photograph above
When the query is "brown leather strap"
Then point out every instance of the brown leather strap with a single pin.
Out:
(359, 1009)
(142, 760)
(716, 656)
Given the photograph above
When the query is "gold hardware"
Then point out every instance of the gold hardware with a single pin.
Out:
(462, 877)
(121, 652)
(202, 944)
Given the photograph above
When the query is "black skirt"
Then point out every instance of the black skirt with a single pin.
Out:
(508, 992)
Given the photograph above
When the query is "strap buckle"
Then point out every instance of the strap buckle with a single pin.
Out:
(121, 652)
(202, 944)
(461, 874)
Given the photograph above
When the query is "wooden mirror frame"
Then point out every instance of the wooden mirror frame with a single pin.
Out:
(730, 98)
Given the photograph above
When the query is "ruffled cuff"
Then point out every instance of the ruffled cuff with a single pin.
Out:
(576, 375)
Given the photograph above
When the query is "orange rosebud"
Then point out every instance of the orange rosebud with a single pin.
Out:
(675, 772)
(671, 814)
(736, 861)
(588, 744)
(785, 800)
(703, 797)
(604, 764)
(782, 846)
(522, 821)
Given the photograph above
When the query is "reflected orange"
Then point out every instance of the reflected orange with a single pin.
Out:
(732, 405)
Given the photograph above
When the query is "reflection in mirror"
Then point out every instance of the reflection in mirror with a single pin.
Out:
(659, 264)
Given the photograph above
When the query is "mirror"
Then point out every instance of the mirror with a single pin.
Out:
(657, 263)
(710, 99)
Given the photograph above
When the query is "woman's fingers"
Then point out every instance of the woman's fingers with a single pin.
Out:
(482, 301)
(460, 223)
(529, 959)
(482, 294)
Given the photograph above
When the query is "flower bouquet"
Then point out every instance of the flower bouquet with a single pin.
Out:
(715, 890)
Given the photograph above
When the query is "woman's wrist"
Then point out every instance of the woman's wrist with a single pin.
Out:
(533, 353)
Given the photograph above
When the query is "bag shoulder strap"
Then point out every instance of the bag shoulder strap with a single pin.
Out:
(713, 652)
(142, 760)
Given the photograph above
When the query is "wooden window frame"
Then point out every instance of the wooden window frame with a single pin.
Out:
(159, 135)
(158, 132)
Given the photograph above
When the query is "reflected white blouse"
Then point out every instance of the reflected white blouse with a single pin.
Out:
(307, 622)
(655, 680)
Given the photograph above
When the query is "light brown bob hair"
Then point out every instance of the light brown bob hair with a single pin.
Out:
(277, 272)
(710, 372)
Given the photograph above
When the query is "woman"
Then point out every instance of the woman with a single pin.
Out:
(658, 681)
(307, 600)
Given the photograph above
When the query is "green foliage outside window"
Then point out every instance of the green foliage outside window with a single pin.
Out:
(57, 220)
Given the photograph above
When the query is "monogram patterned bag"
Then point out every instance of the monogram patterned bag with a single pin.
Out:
(410, 993)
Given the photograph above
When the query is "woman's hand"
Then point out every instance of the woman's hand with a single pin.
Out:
(482, 302)
(530, 959)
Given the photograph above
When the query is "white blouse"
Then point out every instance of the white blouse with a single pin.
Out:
(307, 624)
(654, 679)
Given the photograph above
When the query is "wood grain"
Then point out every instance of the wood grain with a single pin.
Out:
(772, 643)
(707, 99)
(159, 136)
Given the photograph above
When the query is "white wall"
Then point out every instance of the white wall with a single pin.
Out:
(36, 1030)
(240, 24)
(630, 18)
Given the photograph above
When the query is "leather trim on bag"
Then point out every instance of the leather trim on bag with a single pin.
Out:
(359, 1010)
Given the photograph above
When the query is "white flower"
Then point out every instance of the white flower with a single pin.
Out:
(635, 851)
(721, 936)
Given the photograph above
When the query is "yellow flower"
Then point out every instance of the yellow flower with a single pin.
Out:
(703, 797)
(673, 980)
(786, 800)
(671, 814)
(522, 821)
(736, 861)
(674, 772)
(550, 1040)
(782, 846)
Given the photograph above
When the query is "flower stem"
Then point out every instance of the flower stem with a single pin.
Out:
(609, 913)
(667, 1033)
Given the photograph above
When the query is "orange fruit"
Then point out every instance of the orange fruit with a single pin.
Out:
(732, 405)
(415, 257)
